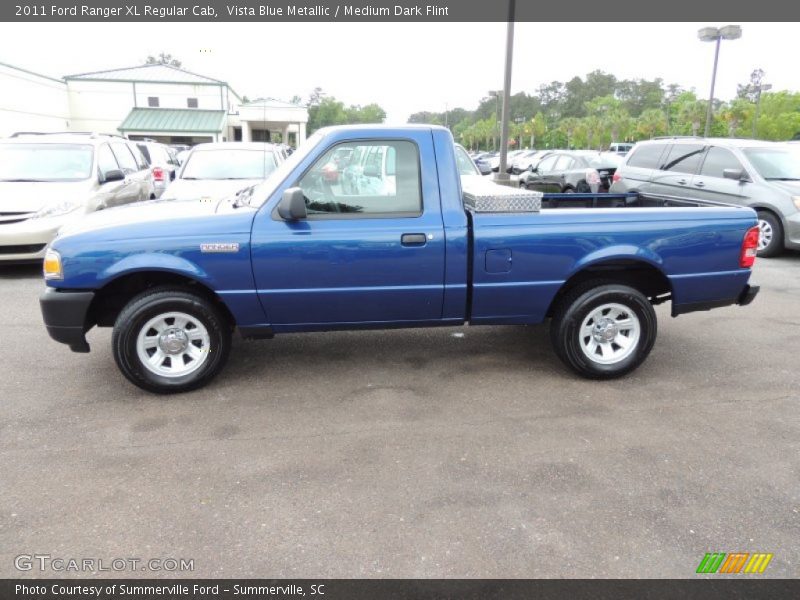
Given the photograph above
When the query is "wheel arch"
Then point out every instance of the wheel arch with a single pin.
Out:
(111, 298)
(638, 273)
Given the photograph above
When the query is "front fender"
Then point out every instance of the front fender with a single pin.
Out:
(153, 261)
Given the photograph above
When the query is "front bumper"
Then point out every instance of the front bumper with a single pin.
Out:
(27, 241)
(65, 317)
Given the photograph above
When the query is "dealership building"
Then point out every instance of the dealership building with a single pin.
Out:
(155, 101)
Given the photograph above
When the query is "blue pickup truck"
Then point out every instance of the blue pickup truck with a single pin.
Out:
(367, 227)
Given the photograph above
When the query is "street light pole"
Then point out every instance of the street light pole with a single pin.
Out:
(501, 171)
(715, 34)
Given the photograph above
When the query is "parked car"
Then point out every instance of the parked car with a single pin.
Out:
(621, 148)
(175, 278)
(565, 171)
(163, 162)
(494, 162)
(762, 175)
(215, 170)
(528, 160)
(47, 180)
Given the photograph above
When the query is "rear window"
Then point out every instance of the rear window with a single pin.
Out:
(646, 156)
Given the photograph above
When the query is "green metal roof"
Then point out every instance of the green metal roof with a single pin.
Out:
(173, 120)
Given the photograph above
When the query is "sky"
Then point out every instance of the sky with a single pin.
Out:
(409, 67)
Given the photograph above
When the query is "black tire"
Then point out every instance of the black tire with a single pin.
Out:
(583, 188)
(148, 305)
(576, 307)
(775, 245)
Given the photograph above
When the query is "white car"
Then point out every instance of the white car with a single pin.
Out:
(48, 180)
(218, 170)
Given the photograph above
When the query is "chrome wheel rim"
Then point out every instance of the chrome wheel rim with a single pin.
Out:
(173, 344)
(765, 234)
(609, 333)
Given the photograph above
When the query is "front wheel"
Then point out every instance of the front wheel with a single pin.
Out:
(170, 340)
(603, 330)
(770, 235)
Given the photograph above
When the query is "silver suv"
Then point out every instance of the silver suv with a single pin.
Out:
(762, 175)
(47, 180)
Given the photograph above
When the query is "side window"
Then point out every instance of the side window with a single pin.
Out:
(142, 161)
(105, 159)
(684, 158)
(382, 177)
(564, 162)
(646, 156)
(191, 102)
(717, 160)
(124, 157)
(152, 101)
(547, 164)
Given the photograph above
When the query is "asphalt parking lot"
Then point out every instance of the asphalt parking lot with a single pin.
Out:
(467, 452)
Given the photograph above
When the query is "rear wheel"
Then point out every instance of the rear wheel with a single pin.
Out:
(603, 329)
(170, 340)
(770, 234)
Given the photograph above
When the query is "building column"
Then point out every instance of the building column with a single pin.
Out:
(302, 135)
(285, 139)
(246, 136)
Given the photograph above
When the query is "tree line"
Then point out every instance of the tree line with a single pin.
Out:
(599, 109)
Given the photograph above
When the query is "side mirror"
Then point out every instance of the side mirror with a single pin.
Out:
(292, 206)
(735, 174)
(113, 175)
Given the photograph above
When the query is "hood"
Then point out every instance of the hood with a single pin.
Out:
(30, 196)
(215, 189)
(790, 187)
(158, 216)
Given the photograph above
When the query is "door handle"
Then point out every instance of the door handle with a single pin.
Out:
(682, 181)
(699, 184)
(413, 239)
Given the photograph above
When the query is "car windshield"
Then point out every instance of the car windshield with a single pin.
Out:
(45, 162)
(776, 164)
(229, 163)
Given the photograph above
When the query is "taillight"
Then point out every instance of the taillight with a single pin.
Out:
(749, 248)
(158, 173)
(592, 177)
(616, 176)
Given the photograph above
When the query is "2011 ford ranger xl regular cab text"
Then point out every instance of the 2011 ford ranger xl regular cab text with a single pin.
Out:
(366, 227)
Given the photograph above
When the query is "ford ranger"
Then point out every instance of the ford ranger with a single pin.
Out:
(369, 227)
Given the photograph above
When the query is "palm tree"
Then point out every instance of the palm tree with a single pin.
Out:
(694, 113)
(568, 127)
(651, 122)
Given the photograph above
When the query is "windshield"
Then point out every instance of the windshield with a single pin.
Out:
(263, 190)
(45, 162)
(464, 163)
(229, 163)
(777, 164)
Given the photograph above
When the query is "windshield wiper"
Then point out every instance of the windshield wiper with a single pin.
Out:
(782, 178)
(23, 180)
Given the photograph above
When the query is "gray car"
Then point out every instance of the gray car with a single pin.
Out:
(48, 180)
(762, 175)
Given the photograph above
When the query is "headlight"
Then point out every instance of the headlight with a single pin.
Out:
(796, 200)
(56, 210)
(52, 265)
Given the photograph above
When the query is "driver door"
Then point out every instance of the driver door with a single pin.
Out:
(371, 249)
